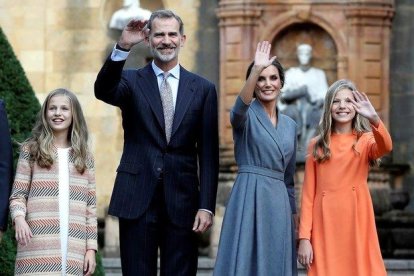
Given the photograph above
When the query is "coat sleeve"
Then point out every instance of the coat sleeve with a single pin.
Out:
(208, 151)
(91, 220)
(380, 142)
(308, 196)
(110, 86)
(6, 167)
(238, 114)
(21, 185)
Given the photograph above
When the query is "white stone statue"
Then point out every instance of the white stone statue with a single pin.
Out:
(303, 95)
(130, 9)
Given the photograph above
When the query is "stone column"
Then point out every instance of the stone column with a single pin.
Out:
(369, 50)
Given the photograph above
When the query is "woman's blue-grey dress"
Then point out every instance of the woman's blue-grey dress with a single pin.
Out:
(257, 236)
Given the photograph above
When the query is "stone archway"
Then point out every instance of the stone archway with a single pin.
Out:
(303, 26)
(324, 47)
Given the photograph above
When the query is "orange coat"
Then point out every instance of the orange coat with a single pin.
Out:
(336, 212)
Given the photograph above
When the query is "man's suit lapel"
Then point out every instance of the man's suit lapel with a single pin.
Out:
(184, 97)
(151, 92)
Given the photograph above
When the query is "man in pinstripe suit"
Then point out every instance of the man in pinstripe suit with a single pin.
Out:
(166, 184)
(6, 168)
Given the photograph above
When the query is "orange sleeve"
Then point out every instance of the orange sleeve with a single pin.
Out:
(381, 143)
(308, 196)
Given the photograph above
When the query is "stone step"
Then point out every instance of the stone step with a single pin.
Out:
(112, 266)
(205, 267)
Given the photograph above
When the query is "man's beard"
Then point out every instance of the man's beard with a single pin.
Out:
(156, 53)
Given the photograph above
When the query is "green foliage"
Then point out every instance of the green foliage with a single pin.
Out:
(21, 102)
(99, 271)
(7, 252)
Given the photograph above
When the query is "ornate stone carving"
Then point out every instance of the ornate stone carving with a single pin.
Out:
(303, 96)
(130, 9)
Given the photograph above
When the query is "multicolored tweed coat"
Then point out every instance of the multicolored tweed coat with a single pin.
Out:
(35, 196)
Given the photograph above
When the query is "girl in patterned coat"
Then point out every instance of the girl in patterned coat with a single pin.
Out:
(53, 200)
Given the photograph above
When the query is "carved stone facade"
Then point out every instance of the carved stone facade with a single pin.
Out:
(350, 39)
(63, 43)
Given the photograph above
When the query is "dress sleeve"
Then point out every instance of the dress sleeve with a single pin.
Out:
(308, 196)
(91, 221)
(238, 114)
(21, 185)
(380, 142)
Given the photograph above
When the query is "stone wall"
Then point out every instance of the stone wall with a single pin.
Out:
(402, 91)
(59, 44)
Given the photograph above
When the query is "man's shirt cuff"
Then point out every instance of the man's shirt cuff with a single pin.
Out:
(119, 55)
(208, 211)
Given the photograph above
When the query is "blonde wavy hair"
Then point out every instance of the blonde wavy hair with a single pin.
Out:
(40, 144)
(360, 125)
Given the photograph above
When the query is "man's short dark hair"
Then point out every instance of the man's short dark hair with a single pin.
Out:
(164, 14)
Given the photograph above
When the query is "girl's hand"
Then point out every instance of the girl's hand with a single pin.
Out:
(23, 232)
(261, 58)
(305, 253)
(364, 107)
(89, 263)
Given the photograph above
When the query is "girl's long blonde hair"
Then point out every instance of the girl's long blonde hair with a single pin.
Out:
(40, 144)
(321, 151)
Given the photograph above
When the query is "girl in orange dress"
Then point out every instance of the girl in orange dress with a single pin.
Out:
(337, 230)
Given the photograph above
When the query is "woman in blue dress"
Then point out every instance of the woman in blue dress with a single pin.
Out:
(257, 237)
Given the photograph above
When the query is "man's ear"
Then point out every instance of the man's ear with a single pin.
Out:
(183, 39)
(147, 32)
